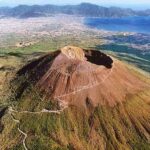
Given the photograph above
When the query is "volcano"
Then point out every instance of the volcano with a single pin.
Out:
(77, 99)
(81, 76)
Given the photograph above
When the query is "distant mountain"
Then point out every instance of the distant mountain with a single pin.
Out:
(4, 11)
(83, 9)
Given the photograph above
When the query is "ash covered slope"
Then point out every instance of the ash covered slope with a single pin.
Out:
(74, 74)
(78, 99)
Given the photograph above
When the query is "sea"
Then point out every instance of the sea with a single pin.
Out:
(124, 24)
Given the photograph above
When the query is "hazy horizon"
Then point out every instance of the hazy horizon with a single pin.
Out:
(134, 4)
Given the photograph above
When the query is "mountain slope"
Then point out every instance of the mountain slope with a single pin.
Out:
(77, 99)
(84, 9)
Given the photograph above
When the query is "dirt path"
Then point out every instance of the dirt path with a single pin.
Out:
(24, 140)
(63, 106)
(24, 134)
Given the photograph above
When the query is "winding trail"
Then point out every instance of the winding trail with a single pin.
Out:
(63, 105)
(25, 135)
(24, 140)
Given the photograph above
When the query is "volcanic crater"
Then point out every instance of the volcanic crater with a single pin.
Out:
(80, 77)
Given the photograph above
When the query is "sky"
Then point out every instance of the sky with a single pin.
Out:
(135, 4)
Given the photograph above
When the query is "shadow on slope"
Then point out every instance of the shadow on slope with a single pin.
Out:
(131, 55)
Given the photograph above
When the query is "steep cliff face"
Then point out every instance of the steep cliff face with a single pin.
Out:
(76, 99)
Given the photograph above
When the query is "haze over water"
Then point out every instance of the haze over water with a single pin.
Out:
(124, 24)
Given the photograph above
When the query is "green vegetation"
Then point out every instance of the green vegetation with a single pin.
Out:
(49, 44)
(127, 54)
(120, 127)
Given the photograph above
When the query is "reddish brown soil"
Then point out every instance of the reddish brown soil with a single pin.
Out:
(82, 77)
